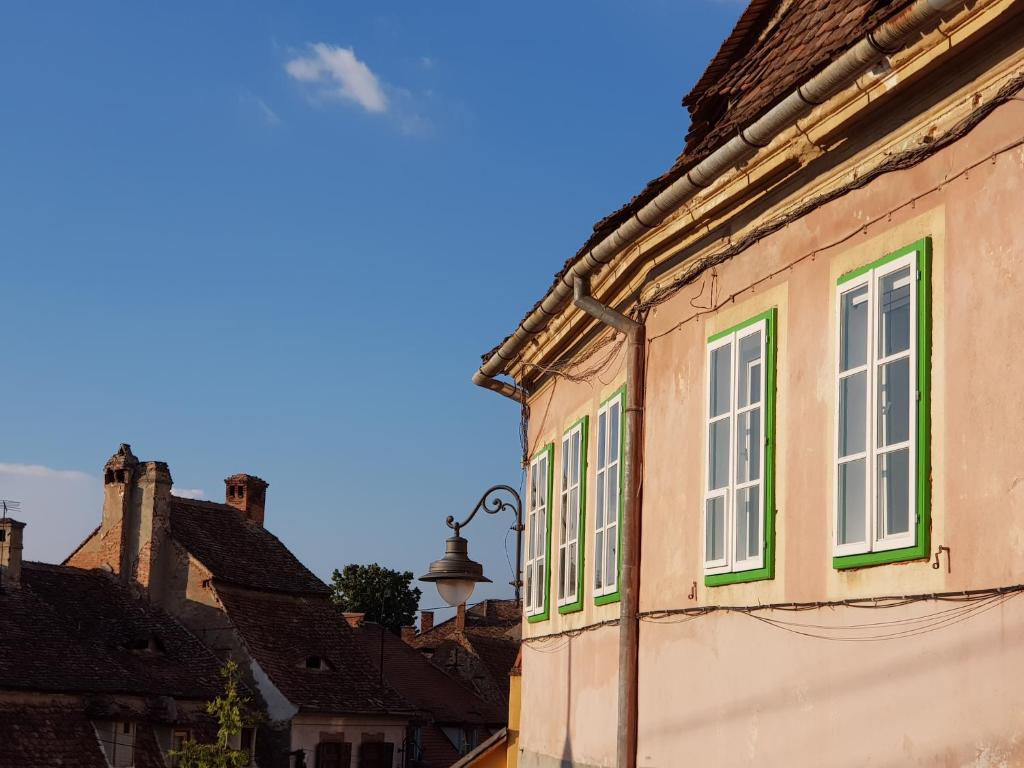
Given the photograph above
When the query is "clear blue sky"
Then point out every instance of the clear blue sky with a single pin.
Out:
(276, 237)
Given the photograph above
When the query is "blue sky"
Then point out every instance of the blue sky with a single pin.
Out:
(276, 237)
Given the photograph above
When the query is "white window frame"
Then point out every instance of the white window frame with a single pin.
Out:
(729, 563)
(537, 526)
(569, 546)
(873, 542)
(612, 463)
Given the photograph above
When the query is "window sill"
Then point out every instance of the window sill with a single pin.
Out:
(538, 617)
(867, 559)
(575, 607)
(611, 597)
(739, 577)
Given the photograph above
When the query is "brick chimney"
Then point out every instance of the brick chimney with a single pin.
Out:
(460, 618)
(247, 494)
(426, 621)
(133, 540)
(408, 634)
(10, 553)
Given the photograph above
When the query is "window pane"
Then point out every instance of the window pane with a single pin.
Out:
(574, 453)
(748, 446)
(852, 497)
(561, 573)
(598, 560)
(612, 508)
(894, 402)
(599, 516)
(565, 464)
(749, 385)
(614, 422)
(718, 454)
(714, 531)
(529, 585)
(570, 588)
(894, 312)
(852, 413)
(542, 481)
(721, 361)
(894, 492)
(611, 565)
(573, 514)
(602, 421)
(748, 522)
(853, 345)
(539, 601)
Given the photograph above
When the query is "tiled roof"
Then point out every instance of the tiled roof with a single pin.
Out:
(69, 630)
(281, 631)
(424, 686)
(238, 551)
(497, 742)
(44, 735)
(437, 749)
(775, 46)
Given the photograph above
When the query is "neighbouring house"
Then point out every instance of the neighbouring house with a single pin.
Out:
(774, 503)
(478, 645)
(91, 674)
(501, 750)
(246, 597)
(451, 717)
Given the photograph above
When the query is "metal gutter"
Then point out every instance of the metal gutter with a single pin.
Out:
(629, 576)
(837, 76)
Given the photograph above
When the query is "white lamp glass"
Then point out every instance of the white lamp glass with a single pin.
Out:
(455, 591)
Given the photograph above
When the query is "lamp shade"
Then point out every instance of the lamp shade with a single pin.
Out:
(455, 574)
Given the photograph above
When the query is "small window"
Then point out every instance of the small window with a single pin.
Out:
(376, 754)
(570, 516)
(538, 522)
(609, 497)
(178, 738)
(333, 754)
(880, 405)
(738, 450)
(315, 662)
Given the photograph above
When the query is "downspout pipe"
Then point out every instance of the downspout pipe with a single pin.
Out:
(629, 576)
(888, 38)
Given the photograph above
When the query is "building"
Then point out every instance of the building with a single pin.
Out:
(244, 594)
(91, 675)
(450, 716)
(774, 510)
(477, 645)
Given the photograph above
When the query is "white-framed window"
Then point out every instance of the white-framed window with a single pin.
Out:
(876, 408)
(734, 499)
(570, 507)
(608, 493)
(537, 526)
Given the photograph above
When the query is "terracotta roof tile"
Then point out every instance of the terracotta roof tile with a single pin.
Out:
(45, 735)
(239, 551)
(70, 630)
(281, 631)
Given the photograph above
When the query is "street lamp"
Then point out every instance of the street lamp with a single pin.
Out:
(455, 574)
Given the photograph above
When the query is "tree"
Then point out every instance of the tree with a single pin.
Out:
(229, 710)
(384, 595)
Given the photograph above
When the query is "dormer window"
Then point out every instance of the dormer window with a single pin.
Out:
(118, 740)
(316, 663)
(144, 646)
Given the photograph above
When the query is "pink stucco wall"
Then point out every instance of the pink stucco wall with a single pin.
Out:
(725, 689)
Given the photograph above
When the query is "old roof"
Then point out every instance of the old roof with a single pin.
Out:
(281, 631)
(238, 551)
(775, 46)
(48, 734)
(427, 688)
(497, 742)
(69, 630)
(491, 635)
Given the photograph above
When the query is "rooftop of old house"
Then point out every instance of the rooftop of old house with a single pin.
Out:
(775, 46)
(66, 630)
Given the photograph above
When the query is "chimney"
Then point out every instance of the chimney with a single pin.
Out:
(247, 494)
(426, 621)
(355, 620)
(460, 618)
(408, 634)
(10, 553)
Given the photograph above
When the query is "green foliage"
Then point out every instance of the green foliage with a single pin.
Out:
(384, 595)
(229, 710)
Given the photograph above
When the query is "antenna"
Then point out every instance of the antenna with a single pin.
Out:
(6, 505)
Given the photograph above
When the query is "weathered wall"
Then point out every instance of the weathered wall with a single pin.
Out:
(309, 729)
(727, 690)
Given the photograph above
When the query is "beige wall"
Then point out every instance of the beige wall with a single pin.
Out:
(728, 690)
(309, 729)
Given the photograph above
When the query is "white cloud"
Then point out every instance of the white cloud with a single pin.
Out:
(426, 62)
(60, 507)
(344, 76)
(188, 493)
